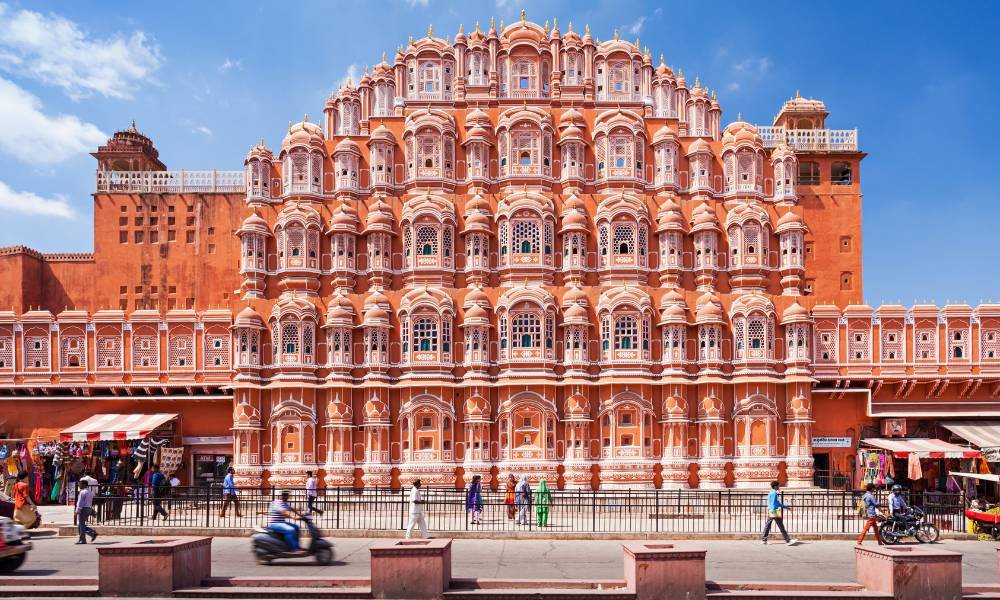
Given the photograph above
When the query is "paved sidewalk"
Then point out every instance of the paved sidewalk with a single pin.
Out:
(825, 561)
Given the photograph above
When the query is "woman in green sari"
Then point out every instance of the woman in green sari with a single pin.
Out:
(542, 498)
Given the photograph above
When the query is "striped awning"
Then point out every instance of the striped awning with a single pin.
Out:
(115, 427)
(922, 447)
(981, 433)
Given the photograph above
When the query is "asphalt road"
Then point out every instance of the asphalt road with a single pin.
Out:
(827, 561)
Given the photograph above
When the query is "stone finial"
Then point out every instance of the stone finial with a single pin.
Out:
(586, 29)
(616, 35)
(430, 31)
(569, 28)
(697, 82)
(546, 26)
(524, 16)
(798, 96)
(477, 27)
(555, 24)
(461, 28)
(411, 40)
(383, 57)
(661, 58)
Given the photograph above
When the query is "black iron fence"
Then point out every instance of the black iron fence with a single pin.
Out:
(569, 511)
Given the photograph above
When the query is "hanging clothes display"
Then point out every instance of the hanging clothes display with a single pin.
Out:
(913, 470)
(170, 459)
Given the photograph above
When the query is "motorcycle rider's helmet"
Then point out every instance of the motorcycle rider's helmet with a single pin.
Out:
(897, 488)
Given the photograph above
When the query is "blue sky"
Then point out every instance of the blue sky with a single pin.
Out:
(205, 80)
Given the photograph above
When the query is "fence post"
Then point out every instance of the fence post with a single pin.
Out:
(843, 511)
(656, 510)
(718, 517)
(208, 506)
(593, 510)
(338, 508)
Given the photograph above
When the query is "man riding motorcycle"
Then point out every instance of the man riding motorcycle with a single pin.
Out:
(898, 509)
(277, 520)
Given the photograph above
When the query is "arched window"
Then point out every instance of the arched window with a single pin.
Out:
(425, 335)
(808, 173)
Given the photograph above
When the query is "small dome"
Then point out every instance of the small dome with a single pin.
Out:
(382, 134)
(376, 410)
(338, 411)
(478, 116)
(255, 224)
(674, 313)
(673, 296)
(347, 145)
(741, 133)
(571, 116)
(303, 133)
(477, 296)
(248, 317)
(790, 221)
(709, 309)
(260, 152)
(795, 313)
(344, 219)
(477, 408)
(703, 217)
(477, 313)
(782, 151)
(576, 314)
(578, 407)
(571, 133)
(664, 134)
(245, 415)
(699, 146)
(380, 217)
(674, 408)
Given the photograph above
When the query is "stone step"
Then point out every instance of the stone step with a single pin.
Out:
(49, 591)
(48, 581)
(537, 594)
(777, 594)
(271, 591)
(458, 584)
(299, 582)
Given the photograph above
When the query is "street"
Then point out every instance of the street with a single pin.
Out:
(827, 561)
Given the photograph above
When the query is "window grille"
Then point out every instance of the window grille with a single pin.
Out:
(526, 330)
(826, 346)
(925, 344)
(526, 238)
(73, 352)
(145, 352)
(181, 350)
(425, 335)
(216, 350)
(624, 239)
(990, 345)
(109, 352)
(857, 344)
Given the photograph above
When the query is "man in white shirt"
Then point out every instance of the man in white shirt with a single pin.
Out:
(417, 512)
(91, 482)
(311, 493)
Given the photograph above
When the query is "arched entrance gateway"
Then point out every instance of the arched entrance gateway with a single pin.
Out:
(506, 250)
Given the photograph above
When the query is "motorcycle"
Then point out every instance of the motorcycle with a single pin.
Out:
(269, 545)
(912, 524)
(13, 545)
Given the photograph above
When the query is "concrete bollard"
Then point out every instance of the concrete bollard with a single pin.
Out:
(416, 569)
(664, 571)
(909, 572)
(153, 568)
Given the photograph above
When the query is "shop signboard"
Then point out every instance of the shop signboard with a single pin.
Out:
(832, 442)
(991, 454)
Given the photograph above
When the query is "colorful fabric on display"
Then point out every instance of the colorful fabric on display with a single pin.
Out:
(913, 470)
(170, 459)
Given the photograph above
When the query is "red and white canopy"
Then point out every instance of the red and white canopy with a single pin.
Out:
(115, 427)
(922, 447)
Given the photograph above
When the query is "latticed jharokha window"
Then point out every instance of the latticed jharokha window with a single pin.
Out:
(526, 331)
(6, 352)
(527, 237)
(249, 347)
(216, 350)
(858, 344)
(990, 344)
(145, 351)
(826, 345)
(109, 352)
(425, 335)
(182, 350)
(925, 344)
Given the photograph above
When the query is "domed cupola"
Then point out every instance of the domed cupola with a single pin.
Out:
(572, 144)
(379, 231)
(381, 159)
(574, 229)
(476, 326)
(705, 229)
(743, 161)
(257, 170)
(786, 168)
(791, 232)
(376, 325)
(477, 233)
(665, 152)
(303, 152)
(346, 158)
(339, 328)
(671, 228)
(253, 234)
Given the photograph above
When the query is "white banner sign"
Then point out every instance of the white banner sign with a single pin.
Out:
(832, 442)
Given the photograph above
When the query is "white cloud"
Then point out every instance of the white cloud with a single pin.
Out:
(423, 3)
(351, 75)
(748, 70)
(55, 51)
(658, 12)
(31, 204)
(31, 136)
(202, 130)
(230, 63)
(636, 26)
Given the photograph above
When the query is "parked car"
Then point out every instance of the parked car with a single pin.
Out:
(15, 546)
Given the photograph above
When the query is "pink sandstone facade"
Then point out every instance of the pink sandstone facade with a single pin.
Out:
(523, 250)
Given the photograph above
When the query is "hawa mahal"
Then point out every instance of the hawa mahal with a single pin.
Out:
(522, 250)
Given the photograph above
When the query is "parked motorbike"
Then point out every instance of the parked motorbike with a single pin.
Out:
(14, 546)
(912, 524)
(269, 545)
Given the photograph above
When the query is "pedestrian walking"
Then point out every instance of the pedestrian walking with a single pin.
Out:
(84, 508)
(160, 489)
(417, 512)
(522, 498)
(869, 504)
(509, 496)
(474, 499)
(229, 493)
(312, 493)
(775, 514)
(542, 500)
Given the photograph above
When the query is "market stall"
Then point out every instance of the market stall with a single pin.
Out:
(919, 462)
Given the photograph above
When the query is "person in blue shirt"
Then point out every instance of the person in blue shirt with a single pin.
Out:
(870, 503)
(897, 503)
(160, 488)
(229, 493)
(774, 515)
(277, 520)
